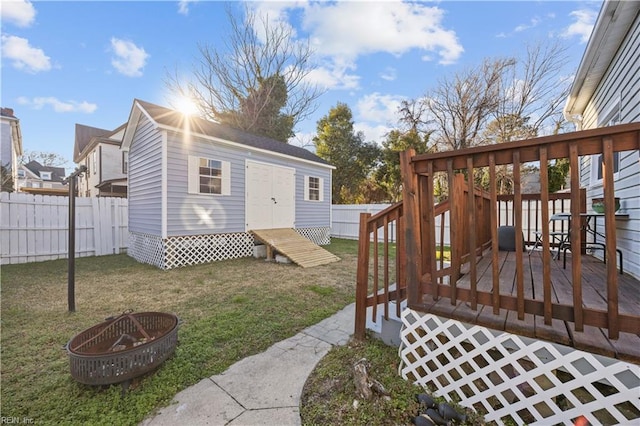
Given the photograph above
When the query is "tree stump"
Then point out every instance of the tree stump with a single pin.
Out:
(366, 386)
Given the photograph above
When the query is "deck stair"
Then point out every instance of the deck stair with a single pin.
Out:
(294, 246)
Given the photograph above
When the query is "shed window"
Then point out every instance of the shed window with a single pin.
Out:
(313, 188)
(209, 176)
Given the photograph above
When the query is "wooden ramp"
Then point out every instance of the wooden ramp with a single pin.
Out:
(289, 243)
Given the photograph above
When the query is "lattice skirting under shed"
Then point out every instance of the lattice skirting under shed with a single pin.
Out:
(174, 252)
(514, 379)
(320, 236)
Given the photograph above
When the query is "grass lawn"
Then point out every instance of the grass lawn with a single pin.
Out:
(228, 309)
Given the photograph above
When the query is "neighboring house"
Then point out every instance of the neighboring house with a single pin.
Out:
(606, 91)
(10, 142)
(99, 150)
(197, 188)
(35, 178)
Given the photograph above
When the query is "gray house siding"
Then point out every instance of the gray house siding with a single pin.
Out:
(145, 180)
(193, 214)
(312, 214)
(620, 88)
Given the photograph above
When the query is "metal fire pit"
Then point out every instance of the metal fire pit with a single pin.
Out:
(122, 348)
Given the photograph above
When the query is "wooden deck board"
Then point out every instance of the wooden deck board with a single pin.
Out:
(294, 246)
(592, 339)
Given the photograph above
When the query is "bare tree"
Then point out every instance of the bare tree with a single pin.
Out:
(242, 81)
(47, 159)
(533, 90)
(460, 106)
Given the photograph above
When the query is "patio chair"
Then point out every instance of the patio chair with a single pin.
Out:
(559, 238)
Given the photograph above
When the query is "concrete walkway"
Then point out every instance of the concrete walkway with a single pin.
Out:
(263, 389)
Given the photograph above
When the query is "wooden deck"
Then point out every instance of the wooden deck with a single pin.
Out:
(592, 339)
(297, 248)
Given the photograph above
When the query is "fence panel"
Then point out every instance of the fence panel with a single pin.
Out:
(35, 228)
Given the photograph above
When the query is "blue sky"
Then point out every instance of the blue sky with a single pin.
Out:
(84, 62)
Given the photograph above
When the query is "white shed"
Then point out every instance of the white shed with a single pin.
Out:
(197, 188)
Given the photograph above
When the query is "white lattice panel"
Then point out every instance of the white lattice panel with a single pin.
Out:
(514, 379)
(319, 236)
(174, 252)
(196, 249)
(146, 248)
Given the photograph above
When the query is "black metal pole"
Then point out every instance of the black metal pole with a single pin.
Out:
(71, 273)
(71, 285)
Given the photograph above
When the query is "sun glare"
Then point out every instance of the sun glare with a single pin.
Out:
(186, 106)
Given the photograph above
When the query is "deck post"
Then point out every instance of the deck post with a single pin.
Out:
(546, 254)
(495, 271)
(362, 275)
(473, 230)
(610, 233)
(517, 212)
(412, 233)
(576, 239)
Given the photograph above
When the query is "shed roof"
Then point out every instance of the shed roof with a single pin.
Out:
(175, 120)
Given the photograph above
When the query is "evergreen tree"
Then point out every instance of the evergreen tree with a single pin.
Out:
(338, 143)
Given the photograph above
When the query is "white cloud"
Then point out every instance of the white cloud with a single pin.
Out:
(377, 114)
(389, 74)
(341, 32)
(183, 6)
(584, 21)
(129, 59)
(58, 105)
(532, 23)
(19, 12)
(376, 107)
(24, 56)
(373, 132)
(351, 29)
(334, 75)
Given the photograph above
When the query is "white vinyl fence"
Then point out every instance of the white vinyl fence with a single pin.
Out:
(34, 228)
(345, 221)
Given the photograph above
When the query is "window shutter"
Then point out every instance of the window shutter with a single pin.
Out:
(321, 189)
(226, 178)
(306, 188)
(192, 171)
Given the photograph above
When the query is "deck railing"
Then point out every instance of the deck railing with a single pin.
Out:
(474, 222)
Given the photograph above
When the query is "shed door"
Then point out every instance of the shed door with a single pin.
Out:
(270, 196)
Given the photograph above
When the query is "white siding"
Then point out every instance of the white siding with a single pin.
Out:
(145, 180)
(192, 214)
(111, 162)
(620, 83)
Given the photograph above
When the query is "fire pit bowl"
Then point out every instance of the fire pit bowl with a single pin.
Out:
(122, 348)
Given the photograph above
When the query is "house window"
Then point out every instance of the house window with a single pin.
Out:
(125, 162)
(21, 174)
(611, 117)
(209, 176)
(45, 175)
(94, 161)
(313, 188)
